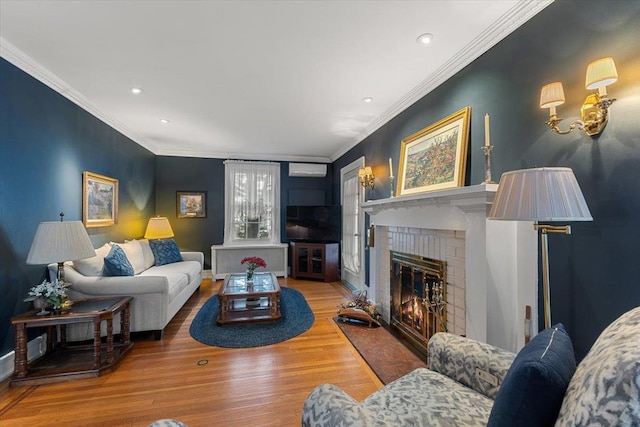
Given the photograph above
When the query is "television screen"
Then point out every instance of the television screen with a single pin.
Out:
(313, 223)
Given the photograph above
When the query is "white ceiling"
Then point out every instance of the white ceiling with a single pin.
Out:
(280, 80)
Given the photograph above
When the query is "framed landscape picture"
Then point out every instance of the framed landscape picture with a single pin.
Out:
(191, 204)
(435, 157)
(99, 200)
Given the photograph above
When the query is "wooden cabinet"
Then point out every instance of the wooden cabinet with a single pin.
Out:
(315, 261)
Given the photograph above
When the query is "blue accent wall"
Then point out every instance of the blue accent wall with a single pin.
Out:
(594, 273)
(46, 142)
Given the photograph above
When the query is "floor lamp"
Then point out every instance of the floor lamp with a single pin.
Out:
(541, 194)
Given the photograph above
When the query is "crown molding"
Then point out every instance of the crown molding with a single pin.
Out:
(240, 156)
(30, 66)
(505, 25)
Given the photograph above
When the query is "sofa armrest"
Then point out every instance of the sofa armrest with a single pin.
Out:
(477, 365)
(194, 256)
(329, 406)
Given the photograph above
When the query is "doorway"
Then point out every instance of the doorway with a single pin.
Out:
(352, 225)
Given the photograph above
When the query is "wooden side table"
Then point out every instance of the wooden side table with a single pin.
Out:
(63, 362)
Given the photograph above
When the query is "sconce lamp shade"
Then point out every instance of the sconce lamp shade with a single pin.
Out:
(59, 241)
(551, 95)
(365, 172)
(158, 228)
(540, 194)
(601, 72)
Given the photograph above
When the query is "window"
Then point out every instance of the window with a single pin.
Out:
(252, 203)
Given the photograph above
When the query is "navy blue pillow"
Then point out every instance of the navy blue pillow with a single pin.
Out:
(532, 391)
(116, 263)
(165, 251)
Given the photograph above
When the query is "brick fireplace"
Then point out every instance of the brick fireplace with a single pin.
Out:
(491, 266)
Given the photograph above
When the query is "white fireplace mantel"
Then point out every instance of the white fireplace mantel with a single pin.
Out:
(500, 257)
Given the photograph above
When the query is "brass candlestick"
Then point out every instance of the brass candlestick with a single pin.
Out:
(487, 164)
(391, 179)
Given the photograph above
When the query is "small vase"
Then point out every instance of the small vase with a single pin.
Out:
(249, 277)
(41, 303)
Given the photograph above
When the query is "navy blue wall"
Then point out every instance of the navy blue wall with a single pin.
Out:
(594, 271)
(195, 174)
(46, 142)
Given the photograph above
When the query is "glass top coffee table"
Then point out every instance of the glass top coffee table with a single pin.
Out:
(242, 302)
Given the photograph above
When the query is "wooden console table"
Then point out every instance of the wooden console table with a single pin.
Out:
(62, 361)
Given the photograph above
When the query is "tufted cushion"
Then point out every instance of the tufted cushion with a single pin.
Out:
(116, 263)
(133, 251)
(532, 391)
(92, 267)
(605, 389)
(165, 251)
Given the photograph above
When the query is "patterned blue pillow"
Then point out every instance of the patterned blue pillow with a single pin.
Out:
(532, 391)
(165, 251)
(116, 263)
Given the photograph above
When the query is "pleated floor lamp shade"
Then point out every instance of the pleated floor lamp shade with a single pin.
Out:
(60, 241)
(540, 194)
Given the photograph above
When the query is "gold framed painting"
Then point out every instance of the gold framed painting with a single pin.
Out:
(99, 200)
(435, 158)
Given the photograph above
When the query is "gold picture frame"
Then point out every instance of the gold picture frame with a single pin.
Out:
(435, 158)
(99, 200)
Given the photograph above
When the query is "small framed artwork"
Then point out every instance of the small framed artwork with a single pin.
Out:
(191, 204)
(435, 157)
(99, 200)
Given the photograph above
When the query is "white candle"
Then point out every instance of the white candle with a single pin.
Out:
(390, 168)
(487, 141)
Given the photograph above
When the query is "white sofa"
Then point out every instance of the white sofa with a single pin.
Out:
(158, 291)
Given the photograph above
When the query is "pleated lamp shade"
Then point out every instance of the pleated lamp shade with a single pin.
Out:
(540, 194)
(59, 241)
(158, 228)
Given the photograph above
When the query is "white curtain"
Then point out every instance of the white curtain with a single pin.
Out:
(350, 237)
(252, 203)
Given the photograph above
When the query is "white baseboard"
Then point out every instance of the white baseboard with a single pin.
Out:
(35, 349)
(206, 274)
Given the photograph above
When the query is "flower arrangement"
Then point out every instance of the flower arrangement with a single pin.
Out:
(253, 262)
(54, 293)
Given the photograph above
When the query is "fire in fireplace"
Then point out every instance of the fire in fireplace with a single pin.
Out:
(418, 297)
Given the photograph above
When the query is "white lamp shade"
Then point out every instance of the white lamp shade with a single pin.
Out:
(365, 171)
(158, 228)
(551, 95)
(59, 241)
(601, 72)
(541, 194)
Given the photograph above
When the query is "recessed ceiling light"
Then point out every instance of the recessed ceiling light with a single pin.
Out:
(136, 90)
(424, 38)
(165, 121)
(368, 99)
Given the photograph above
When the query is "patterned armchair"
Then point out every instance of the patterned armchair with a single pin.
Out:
(457, 390)
(474, 384)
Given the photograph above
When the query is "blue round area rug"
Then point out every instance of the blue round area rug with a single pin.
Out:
(297, 318)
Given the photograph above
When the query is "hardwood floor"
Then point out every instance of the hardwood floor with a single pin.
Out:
(201, 385)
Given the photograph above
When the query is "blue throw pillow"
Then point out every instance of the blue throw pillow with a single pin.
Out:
(116, 263)
(165, 251)
(532, 391)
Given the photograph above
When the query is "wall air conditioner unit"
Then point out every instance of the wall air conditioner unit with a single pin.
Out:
(308, 170)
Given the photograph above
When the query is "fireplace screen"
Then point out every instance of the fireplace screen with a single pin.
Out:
(418, 297)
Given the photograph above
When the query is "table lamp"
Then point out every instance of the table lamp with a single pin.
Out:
(59, 241)
(158, 228)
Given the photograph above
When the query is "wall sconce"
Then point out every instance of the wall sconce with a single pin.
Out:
(366, 176)
(595, 109)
